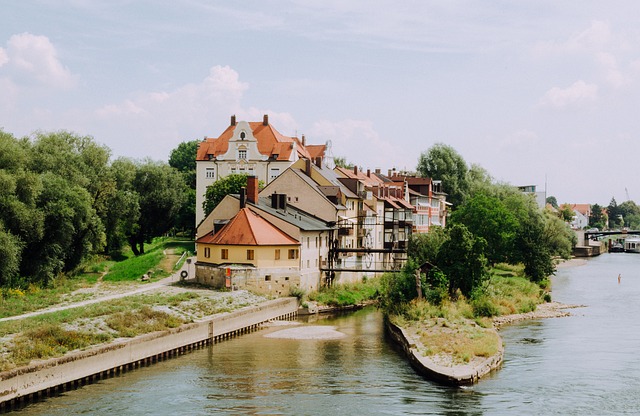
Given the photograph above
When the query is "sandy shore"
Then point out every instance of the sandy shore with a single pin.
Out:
(543, 310)
(573, 262)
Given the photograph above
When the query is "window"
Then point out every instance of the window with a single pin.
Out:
(267, 278)
(243, 135)
(242, 154)
(277, 257)
(207, 252)
(210, 173)
(224, 254)
(249, 254)
(308, 242)
(293, 254)
(273, 173)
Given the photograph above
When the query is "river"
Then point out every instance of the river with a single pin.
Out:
(587, 363)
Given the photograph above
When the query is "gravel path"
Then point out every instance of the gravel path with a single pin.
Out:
(133, 290)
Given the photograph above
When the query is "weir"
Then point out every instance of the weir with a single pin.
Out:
(23, 385)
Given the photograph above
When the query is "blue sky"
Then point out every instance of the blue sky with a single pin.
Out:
(530, 90)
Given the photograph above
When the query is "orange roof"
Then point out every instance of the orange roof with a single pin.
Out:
(367, 180)
(248, 229)
(270, 143)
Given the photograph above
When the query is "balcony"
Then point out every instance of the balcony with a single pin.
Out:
(344, 231)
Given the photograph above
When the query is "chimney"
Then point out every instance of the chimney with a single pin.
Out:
(378, 171)
(243, 197)
(304, 142)
(389, 173)
(265, 120)
(355, 170)
(307, 167)
(319, 162)
(274, 200)
(233, 120)
(252, 189)
(368, 173)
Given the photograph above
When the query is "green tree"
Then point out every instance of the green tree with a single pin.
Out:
(424, 247)
(597, 217)
(615, 216)
(183, 158)
(442, 162)
(10, 258)
(551, 200)
(487, 217)
(558, 236)
(630, 212)
(230, 184)
(565, 213)
(123, 208)
(396, 289)
(72, 230)
(341, 162)
(534, 250)
(162, 192)
(462, 260)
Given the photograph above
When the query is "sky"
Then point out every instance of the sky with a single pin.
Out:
(537, 92)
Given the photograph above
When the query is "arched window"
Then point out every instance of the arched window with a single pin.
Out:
(243, 135)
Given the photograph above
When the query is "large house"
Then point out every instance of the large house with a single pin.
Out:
(251, 148)
(268, 226)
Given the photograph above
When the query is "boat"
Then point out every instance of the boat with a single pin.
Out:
(632, 244)
(616, 247)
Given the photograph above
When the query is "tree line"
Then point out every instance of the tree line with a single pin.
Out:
(62, 200)
(490, 223)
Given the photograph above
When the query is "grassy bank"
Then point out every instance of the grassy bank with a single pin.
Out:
(340, 295)
(460, 331)
(56, 333)
(160, 258)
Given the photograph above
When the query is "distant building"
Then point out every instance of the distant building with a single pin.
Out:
(251, 148)
(540, 197)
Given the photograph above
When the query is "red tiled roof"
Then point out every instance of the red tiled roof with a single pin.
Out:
(248, 229)
(270, 143)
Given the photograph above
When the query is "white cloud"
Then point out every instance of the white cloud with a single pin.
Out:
(577, 94)
(4, 58)
(159, 120)
(360, 143)
(31, 57)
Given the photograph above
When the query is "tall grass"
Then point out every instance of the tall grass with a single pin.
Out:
(347, 294)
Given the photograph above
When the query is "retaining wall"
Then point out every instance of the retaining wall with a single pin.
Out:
(73, 370)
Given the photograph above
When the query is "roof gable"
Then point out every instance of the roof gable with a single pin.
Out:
(270, 143)
(249, 229)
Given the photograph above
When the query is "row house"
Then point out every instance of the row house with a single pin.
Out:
(251, 148)
(317, 190)
(287, 246)
(428, 200)
(386, 207)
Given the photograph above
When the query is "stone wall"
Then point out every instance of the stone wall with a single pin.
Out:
(84, 366)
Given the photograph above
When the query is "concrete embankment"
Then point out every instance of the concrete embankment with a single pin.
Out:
(73, 370)
(454, 375)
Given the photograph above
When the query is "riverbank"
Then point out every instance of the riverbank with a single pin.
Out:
(446, 368)
(52, 376)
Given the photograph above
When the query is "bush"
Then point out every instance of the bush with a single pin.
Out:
(483, 306)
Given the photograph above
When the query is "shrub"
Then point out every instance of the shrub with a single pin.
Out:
(483, 306)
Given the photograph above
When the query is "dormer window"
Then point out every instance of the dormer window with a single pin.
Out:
(243, 135)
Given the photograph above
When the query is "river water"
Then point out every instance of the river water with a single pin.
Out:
(588, 363)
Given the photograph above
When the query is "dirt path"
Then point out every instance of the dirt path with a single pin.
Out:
(134, 290)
